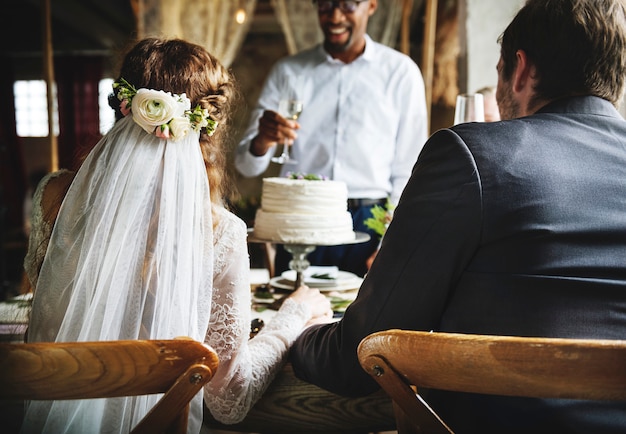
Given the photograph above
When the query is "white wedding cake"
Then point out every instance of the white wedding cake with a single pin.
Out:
(304, 211)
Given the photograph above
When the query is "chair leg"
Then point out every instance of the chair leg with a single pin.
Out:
(170, 407)
(179, 425)
(403, 424)
(413, 414)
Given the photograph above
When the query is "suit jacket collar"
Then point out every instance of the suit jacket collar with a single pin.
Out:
(581, 105)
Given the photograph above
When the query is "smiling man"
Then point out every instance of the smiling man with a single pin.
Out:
(344, 39)
(363, 122)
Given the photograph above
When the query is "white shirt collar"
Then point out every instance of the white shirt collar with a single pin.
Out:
(368, 53)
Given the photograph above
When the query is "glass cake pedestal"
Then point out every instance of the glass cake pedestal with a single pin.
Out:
(299, 252)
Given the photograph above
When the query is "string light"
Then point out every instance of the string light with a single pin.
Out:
(240, 16)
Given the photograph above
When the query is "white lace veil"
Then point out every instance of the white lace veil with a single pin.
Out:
(130, 257)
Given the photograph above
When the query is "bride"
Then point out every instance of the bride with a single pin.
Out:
(137, 244)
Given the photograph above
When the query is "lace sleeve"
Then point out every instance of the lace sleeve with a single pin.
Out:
(247, 366)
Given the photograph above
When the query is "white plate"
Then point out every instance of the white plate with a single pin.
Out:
(259, 300)
(359, 237)
(282, 283)
(330, 270)
(338, 277)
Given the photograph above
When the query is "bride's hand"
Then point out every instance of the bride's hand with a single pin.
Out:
(321, 311)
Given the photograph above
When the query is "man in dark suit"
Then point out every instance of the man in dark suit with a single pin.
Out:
(512, 228)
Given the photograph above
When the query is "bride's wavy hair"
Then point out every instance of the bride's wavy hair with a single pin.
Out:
(178, 66)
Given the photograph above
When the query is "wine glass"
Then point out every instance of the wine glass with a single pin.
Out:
(289, 108)
(469, 108)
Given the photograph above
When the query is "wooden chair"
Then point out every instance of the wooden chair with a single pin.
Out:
(401, 361)
(81, 370)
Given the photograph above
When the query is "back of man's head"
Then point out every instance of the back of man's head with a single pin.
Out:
(578, 47)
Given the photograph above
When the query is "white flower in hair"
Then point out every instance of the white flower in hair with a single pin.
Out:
(161, 113)
(180, 126)
(152, 108)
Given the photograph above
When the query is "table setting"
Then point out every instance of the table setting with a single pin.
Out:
(341, 288)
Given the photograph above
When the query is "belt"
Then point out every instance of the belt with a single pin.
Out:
(357, 203)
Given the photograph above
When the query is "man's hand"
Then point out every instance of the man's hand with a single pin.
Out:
(273, 128)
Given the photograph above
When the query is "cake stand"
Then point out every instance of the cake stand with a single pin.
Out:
(299, 252)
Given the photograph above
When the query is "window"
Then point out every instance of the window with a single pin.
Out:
(31, 108)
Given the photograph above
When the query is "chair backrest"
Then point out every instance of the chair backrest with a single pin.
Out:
(179, 368)
(500, 365)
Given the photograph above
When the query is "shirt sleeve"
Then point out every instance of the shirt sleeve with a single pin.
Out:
(434, 233)
(413, 129)
(247, 366)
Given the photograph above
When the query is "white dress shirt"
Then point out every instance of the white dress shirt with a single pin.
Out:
(363, 123)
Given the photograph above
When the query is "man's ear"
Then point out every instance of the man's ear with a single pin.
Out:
(523, 83)
(523, 74)
(372, 6)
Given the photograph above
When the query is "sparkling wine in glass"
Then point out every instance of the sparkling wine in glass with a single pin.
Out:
(289, 109)
(469, 108)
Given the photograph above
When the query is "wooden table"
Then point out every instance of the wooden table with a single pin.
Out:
(292, 406)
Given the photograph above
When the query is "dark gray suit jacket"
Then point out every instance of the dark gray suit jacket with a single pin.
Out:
(506, 228)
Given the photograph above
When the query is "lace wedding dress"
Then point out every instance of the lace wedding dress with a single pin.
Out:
(247, 366)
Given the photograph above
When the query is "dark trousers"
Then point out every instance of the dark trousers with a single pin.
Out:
(349, 257)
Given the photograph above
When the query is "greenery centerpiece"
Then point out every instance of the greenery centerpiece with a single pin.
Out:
(380, 219)
(307, 176)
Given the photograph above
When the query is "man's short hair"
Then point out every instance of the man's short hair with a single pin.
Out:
(578, 47)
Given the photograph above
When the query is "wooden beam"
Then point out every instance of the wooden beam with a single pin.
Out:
(93, 23)
(428, 51)
(48, 67)
(405, 28)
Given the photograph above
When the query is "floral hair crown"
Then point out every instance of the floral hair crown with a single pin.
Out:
(163, 114)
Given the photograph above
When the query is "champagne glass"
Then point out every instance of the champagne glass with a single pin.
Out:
(289, 108)
(469, 108)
